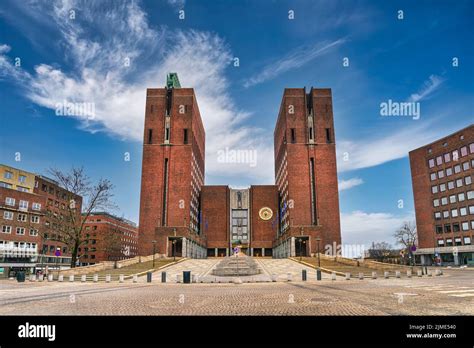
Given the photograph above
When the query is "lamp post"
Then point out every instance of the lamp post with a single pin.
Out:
(299, 243)
(174, 249)
(319, 259)
(57, 254)
(154, 251)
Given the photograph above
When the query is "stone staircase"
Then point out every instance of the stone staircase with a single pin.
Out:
(232, 266)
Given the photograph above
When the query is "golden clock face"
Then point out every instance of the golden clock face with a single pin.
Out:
(265, 213)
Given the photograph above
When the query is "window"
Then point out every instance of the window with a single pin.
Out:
(449, 171)
(293, 135)
(470, 194)
(457, 241)
(440, 242)
(459, 183)
(442, 187)
(431, 163)
(439, 229)
(457, 169)
(150, 136)
(328, 135)
(8, 215)
(23, 205)
(447, 228)
(436, 202)
(22, 217)
(455, 155)
(36, 206)
(444, 200)
(465, 166)
(463, 151)
(437, 215)
(454, 213)
(433, 176)
(445, 214)
(434, 189)
(467, 240)
(449, 242)
(35, 219)
(450, 185)
(439, 160)
(185, 136)
(463, 211)
(452, 199)
(471, 147)
(10, 201)
(20, 231)
(23, 189)
(6, 229)
(456, 227)
(461, 197)
(468, 180)
(6, 185)
(8, 174)
(447, 157)
(22, 178)
(33, 232)
(465, 226)
(441, 174)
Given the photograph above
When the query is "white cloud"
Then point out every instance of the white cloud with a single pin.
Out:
(429, 86)
(98, 51)
(359, 227)
(347, 184)
(295, 59)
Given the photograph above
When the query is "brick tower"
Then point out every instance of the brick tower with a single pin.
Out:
(172, 172)
(306, 173)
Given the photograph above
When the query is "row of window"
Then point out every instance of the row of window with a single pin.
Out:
(8, 215)
(10, 186)
(451, 185)
(7, 243)
(460, 197)
(19, 230)
(454, 227)
(449, 171)
(9, 175)
(450, 156)
(454, 213)
(22, 204)
(457, 241)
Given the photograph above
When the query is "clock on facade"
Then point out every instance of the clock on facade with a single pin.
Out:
(265, 213)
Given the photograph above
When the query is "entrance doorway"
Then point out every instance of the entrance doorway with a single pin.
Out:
(175, 247)
(301, 246)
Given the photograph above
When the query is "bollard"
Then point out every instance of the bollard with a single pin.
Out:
(397, 274)
(409, 274)
(419, 273)
(41, 277)
(149, 277)
(374, 275)
(333, 275)
(32, 278)
(429, 273)
(121, 278)
(274, 277)
(96, 278)
(83, 278)
(186, 277)
(348, 276)
(50, 277)
(303, 275)
(289, 276)
(318, 274)
(135, 278)
(163, 277)
(107, 278)
(361, 276)
(386, 274)
(60, 278)
(71, 278)
(437, 273)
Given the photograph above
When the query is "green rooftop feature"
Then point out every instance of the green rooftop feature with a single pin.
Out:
(172, 81)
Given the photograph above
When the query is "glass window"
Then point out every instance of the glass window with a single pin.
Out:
(33, 232)
(435, 203)
(449, 242)
(22, 178)
(449, 171)
(437, 215)
(465, 226)
(465, 166)
(447, 228)
(459, 183)
(467, 240)
(23, 204)
(9, 201)
(441, 174)
(452, 199)
(20, 231)
(439, 160)
(444, 200)
(434, 189)
(455, 155)
(445, 214)
(463, 151)
(433, 176)
(456, 227)
(457, 241)
(457, 168)
(8, 215)
(35, 219)
(442, 187)
(463, 211)
(454, 212)
(470, 194)
(461, 197)
(22, 217)
(6, 229)
(471, 209)
(440, 242)
(450, 185)
(468, 180)
(471, 147)
(447, 157)
(8, 174)
(36, 206)
(439, 229)
(431, 163)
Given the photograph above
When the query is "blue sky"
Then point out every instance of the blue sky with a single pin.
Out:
(80, 56)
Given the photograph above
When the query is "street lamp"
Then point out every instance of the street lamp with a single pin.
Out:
(319, 259)
(57, 253)
(154, 251)
(299, 242)
(174, 249)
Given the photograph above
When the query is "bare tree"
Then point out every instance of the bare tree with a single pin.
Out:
(380, 251)
(407, 236)
(68, 229)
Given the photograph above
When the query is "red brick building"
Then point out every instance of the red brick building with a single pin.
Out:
(108, 238)
(182, 216)
(442, 175)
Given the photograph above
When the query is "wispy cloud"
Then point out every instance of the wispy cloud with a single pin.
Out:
(359, 227)
(347, 184)
(429, 87)
(297, 58)
(96, 71)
